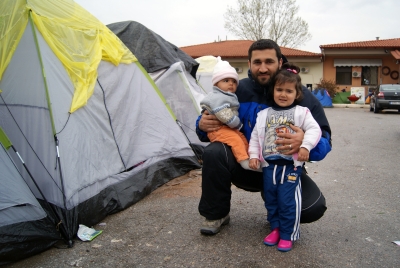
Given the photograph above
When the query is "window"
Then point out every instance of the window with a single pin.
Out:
(394, 87)
(369, 75)
(343, 75)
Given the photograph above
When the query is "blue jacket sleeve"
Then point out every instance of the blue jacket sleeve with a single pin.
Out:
(201, 134)
(322, 149)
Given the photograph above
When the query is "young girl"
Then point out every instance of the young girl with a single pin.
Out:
(282, 187)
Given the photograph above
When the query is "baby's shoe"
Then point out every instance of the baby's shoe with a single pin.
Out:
(284, 245)
(273, 238)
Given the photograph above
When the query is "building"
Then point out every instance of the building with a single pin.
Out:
(236, 52)
(362, 64)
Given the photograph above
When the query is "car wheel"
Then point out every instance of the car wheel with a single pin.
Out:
(376, 110)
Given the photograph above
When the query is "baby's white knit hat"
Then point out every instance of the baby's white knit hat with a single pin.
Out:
(223, 70)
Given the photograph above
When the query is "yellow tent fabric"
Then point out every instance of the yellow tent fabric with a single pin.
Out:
(78, 39)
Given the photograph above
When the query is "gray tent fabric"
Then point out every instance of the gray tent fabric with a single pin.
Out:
(173, 71)
(110, 153)
(25, 229)
(152, 51)
(17, 203)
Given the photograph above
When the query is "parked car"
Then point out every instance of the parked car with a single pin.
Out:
(386, 97)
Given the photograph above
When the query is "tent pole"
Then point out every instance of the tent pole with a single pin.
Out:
(189, 93)
(111, 125)
(169, 109)
(8, 144)
(69, 239)
(199, 84)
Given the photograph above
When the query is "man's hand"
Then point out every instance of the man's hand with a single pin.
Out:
(289, 143)
(209, 122)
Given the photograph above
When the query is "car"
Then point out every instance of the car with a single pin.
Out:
(386, 97)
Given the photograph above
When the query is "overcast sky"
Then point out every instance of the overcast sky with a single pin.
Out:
(192, 22)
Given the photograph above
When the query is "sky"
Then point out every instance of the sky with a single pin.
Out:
(193, 22)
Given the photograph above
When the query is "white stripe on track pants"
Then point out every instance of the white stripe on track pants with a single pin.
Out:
(282, 190)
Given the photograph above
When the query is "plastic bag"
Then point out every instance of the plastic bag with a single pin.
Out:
(87, 234)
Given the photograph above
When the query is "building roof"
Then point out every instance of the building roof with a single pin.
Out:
(237, 49)
(395, 54)
(384, 43)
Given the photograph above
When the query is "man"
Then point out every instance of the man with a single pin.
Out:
(220, 168)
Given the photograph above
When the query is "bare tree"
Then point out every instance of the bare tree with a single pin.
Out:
(273, 19)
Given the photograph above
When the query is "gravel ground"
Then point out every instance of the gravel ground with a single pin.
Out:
(359, 179)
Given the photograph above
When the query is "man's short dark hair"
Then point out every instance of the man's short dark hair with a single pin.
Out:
(265, 44)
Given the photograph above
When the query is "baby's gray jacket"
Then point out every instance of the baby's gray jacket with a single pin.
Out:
(224, 105)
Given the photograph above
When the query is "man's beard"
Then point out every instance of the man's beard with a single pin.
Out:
(263, 81)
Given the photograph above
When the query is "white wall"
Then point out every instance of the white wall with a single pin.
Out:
(314, 74)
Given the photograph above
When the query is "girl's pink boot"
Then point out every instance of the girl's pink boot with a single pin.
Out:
(273, 238)
(284, 245)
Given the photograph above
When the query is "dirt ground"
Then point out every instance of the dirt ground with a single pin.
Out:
(359, 180)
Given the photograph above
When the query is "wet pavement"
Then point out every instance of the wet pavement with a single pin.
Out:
(360, 181)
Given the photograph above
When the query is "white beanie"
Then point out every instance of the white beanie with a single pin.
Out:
(223, 70)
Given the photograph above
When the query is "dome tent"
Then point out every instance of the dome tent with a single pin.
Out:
(85, 117)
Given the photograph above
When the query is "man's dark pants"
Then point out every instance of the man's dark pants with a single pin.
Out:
(220, 170)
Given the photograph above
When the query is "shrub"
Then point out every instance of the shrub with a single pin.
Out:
(329, 85)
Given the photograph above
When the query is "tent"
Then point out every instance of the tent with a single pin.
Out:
(23, 221)
(205, 71)
(173, 71)
(93, 129)
(323, 97)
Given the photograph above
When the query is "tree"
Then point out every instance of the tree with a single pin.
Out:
(273, 19)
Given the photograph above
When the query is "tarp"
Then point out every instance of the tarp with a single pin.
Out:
(323, 97)
(152, 51)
